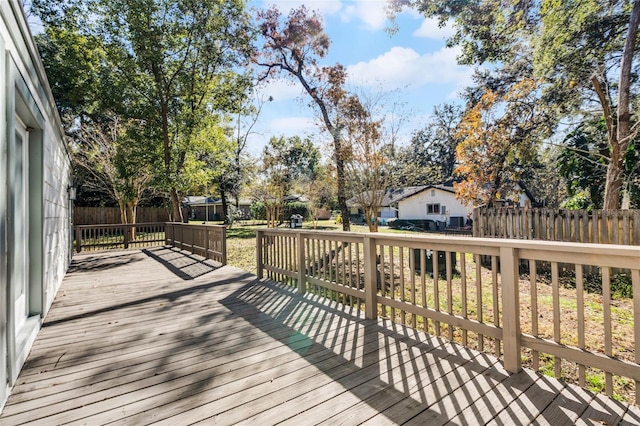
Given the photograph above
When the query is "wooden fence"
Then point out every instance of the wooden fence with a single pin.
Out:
(568, 322)
(111, 215)
(598, 226)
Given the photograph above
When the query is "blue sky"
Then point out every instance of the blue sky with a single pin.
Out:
(414, 62)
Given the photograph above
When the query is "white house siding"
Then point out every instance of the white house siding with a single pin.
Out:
(414, 207)
(31, 146)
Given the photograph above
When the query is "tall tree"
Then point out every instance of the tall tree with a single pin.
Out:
(294, 47)
(582, 163)
(234, 173)
(113, 164)
(583, 54)
(499, 137)
(285, 161)
(169, 63)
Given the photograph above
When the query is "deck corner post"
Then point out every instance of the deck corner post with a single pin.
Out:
(510, 308)
(78, 239)
(224, 245)
(302, 284)
(370, 278)
(259, 242)
(205, 243)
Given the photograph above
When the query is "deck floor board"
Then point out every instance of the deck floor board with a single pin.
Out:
(159, 336)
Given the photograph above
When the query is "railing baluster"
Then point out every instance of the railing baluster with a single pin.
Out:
(533, 290)
(447, 263)
(606, 304)
(463, 290)
(496, 308)
(479, 301)
(436, 287)
(635, 282)
(423, 285)
(555, 285)
(580, 309)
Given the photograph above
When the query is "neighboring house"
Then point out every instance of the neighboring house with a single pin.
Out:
(439, 204)
(36, 204)
(389, 204)
(198, 208)
(434, 202)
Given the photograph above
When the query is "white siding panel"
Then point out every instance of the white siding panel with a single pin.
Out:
(415, 206)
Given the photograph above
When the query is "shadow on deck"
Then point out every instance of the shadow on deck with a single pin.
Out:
(161, 336)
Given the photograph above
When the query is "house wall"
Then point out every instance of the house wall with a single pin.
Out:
(415, 206)
(35, 210)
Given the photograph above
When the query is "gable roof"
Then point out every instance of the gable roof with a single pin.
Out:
(444, 188)
(393, 195)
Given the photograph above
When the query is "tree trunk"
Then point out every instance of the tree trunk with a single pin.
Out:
(340, 173)
(123, 212)
(225, 207)
(176, 211)
(623, 136)
(131, 217)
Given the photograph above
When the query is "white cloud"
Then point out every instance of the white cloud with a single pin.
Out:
(371, 12)
(403, 67)
(324, 7)
(430, 29)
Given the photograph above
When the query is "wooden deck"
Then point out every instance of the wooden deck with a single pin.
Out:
(159, 336)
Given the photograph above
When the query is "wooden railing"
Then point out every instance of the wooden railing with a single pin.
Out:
(118, 236)
(209, 241)
(532, 302)
(598, 226)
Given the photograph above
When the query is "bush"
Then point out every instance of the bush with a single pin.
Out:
(258, 211)
(295, 207)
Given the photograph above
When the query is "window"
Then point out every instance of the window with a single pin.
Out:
(433, 208)
(443, 210)
(433, 192)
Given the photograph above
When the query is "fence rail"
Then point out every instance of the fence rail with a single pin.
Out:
(523, 306)
(599, 226)
(209, 241)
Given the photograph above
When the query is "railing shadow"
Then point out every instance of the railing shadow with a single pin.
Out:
(99, 262)
(184, 265)
(403, 374)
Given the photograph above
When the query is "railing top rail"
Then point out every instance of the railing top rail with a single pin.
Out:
(115, 225)
(537, 245)
(194, 225)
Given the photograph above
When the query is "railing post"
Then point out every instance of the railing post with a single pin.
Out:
(259, 241)
(125, 232)
(206, 241)
(370, 278)
(302, 284)
(510, 308)
(223, 248)
(78, 239)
